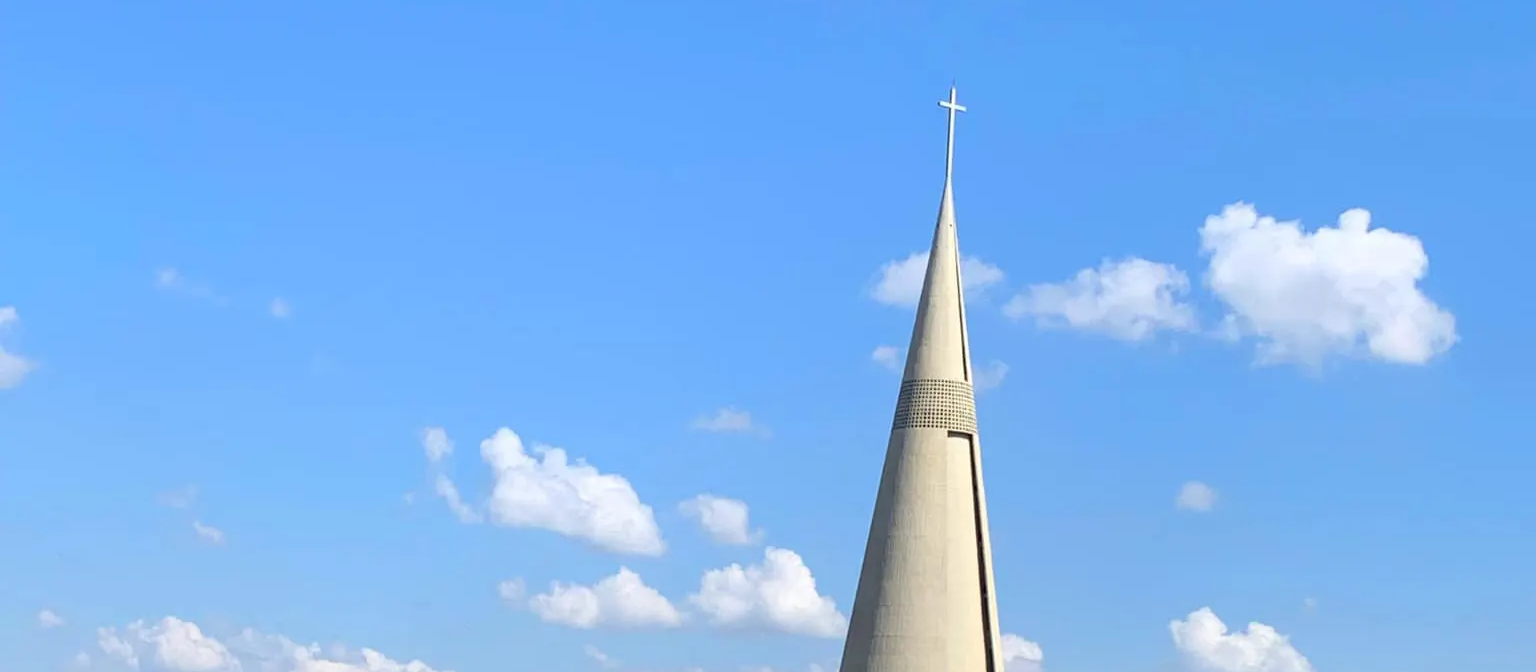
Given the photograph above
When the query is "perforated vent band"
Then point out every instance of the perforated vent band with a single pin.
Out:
(936, 404)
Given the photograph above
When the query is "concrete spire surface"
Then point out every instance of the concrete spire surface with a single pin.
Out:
(925, 599)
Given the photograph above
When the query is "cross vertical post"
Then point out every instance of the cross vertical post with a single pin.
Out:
(954, 106)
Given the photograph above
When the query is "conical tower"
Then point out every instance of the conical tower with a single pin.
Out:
(925, 600)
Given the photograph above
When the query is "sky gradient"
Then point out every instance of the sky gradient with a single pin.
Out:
(556, 337)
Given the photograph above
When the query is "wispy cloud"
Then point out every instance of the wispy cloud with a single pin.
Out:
(601, 658)
(180, 498)
(171, 280)
(13, 367)
(730, 420)
(438, 448)
(48, 619)
(991, 376)
(280, 308)
(1196, 496)
(208, 533)
(888, 356)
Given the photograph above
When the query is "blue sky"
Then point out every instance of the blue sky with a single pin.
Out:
(598, 225)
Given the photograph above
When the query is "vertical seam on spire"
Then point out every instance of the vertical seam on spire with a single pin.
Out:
(982, 565)
(965, 336)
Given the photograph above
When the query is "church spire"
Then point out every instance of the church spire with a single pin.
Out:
(926, 600)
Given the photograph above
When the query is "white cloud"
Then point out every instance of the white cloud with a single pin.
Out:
(991, 376)
(779, 595)
(729, 420)
(1310, 603)
(436, 444)
(570, 498)
(1204, 640)
(553, 493)
(888, 356)
(1196, 496)
(601, 658)
(117, 647)
(171, 644)
(438, 447)
(81, 660)
(1021, 655)
(445, 488)
(47, 619)
(172, 280)
(1130, 299)
(280, 309)
(724, 519)
(167, 278)
(13, 367)
(512, 590)
(1342, 289)
(175, 645)
(620, 601)
(208, 533)
(180, 646)
(901, 281)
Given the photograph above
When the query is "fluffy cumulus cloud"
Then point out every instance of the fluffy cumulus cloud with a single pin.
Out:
(545, 489)
(1346, 289)
(1205, 641)
(1021, 655)
(1341, 289)
(276, 653)
(13, 367)
(778, 595)
(170, 644)
(175, 645)
(900, 282)
(569, 497)
(619, 601)
(730, 420)
(724, 519)
(1129, 299)
(1196, 496)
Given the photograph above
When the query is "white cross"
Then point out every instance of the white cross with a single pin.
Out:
(954, 107)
